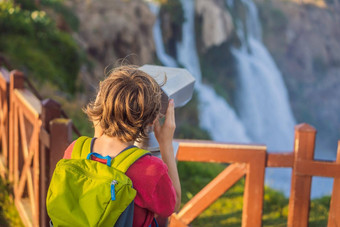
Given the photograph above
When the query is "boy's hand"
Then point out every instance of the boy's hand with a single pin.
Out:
(165, 133)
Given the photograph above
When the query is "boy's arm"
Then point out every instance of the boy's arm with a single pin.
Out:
(164, 135)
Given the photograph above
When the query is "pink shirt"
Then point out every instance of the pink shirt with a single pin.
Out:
(155, 192)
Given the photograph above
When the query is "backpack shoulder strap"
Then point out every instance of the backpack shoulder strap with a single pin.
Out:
(125, 159)
(122, 161)
(81, 148)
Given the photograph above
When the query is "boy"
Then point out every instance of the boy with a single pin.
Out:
(127, 104)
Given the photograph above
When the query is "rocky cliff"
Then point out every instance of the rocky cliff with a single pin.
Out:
(217, 23)
(113, 30)
(304, 39)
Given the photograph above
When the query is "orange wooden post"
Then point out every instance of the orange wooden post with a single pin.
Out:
(299, 200)
(253, 190)
(334, 210)
(50, 110)
(60, 137)
(36, 173)
(16, 82)
(4, 118)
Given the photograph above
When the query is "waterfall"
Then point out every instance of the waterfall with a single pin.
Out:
(157, 33)
(262, 100)
(216, 116)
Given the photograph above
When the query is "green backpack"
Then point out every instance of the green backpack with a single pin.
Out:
(84, 192)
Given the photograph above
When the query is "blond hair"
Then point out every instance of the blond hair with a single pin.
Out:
(128, 101)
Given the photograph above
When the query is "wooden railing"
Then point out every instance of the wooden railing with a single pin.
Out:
(251, 161)
(33, 138)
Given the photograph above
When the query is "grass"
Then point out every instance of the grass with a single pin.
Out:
(8, 214)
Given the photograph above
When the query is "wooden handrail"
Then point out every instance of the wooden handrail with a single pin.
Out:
(317, 168)
(283, 159)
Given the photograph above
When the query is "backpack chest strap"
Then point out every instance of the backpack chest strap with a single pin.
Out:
(122, 161)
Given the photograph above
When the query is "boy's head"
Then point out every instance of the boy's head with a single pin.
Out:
(128, 101)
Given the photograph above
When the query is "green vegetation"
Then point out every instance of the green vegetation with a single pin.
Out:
(8, 214)
(38, 45)
(187, 121)
(172, 19)
(174, 8)
(239, 13)
(217, 63)
(218, 69)
(68, 16)
(32, 43)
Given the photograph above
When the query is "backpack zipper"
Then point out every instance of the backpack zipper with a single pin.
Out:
(113, 193)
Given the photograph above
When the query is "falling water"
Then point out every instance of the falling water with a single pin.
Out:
(264, 111)
(216, 116)
(262, 98)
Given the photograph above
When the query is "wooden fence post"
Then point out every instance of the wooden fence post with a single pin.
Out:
(16, 82)
(254, 190)
(60, 138)
(299, 200)
(334, 209)
(50, 110)
(4, 118)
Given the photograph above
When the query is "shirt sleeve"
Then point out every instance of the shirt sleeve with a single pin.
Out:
(155, 191)
(68, 151)
(164, 197)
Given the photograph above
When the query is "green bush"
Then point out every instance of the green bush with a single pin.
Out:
(218, 69)
(33, 43)
(70, 18)
(187, 121)
(8, 214)
(173, 9)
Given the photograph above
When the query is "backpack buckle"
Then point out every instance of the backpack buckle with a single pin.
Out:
(107, 158)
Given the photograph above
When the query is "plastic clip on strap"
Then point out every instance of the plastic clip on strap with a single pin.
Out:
(108, 158)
